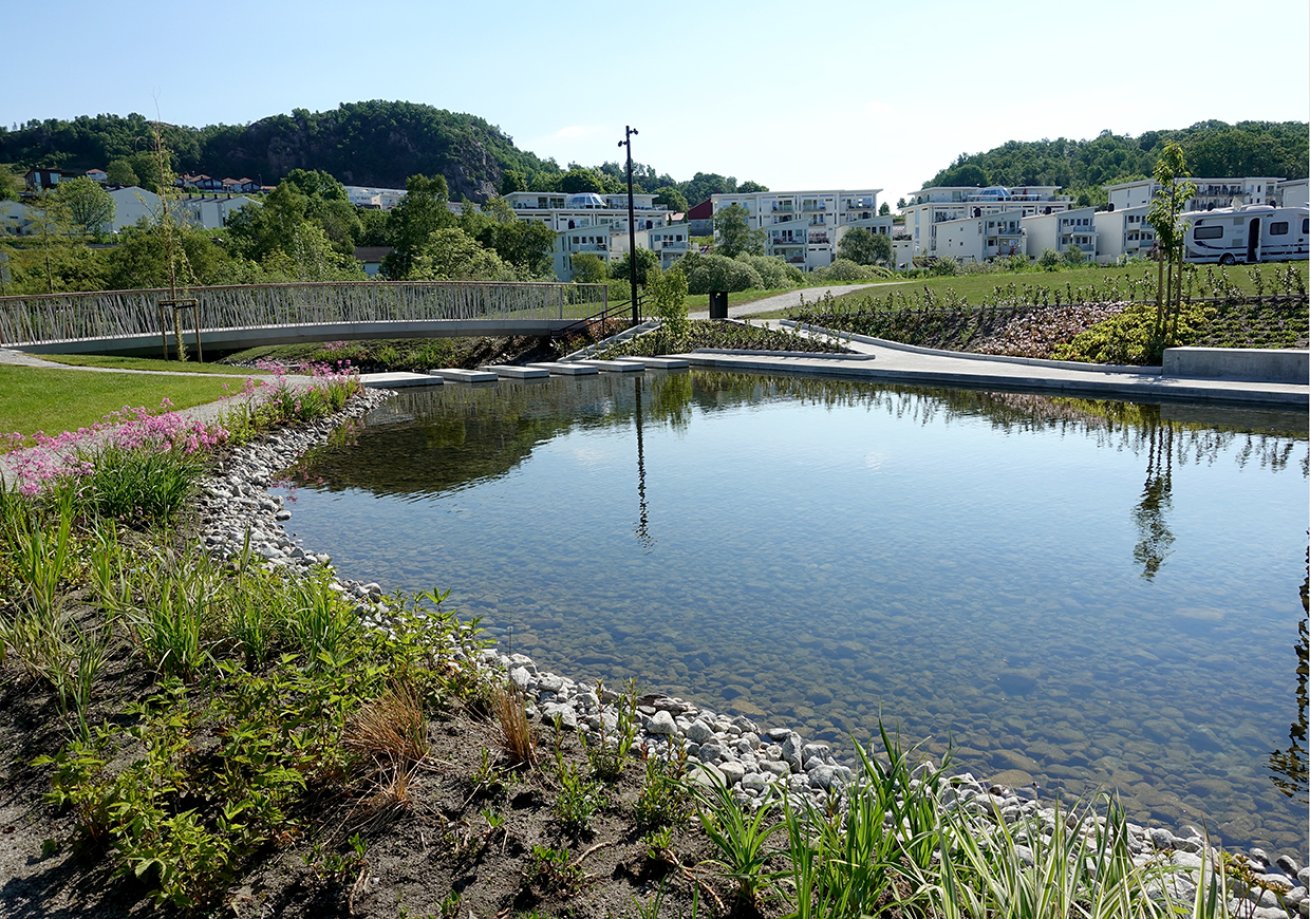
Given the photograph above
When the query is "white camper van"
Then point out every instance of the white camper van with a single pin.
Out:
(1254, 233)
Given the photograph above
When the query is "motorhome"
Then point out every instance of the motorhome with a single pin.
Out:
(1254, 233)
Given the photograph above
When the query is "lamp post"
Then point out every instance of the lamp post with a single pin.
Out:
(632, 225)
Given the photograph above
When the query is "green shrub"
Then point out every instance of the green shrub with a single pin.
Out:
(707, 273)
(1126, 337)
(843, 269)
(774, 272)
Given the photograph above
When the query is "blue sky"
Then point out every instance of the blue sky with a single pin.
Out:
(838, 93)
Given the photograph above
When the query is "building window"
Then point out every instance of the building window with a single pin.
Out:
(1208, 233)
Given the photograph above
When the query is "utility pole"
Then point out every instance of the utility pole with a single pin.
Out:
(632, 225)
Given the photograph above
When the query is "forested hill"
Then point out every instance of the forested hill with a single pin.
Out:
(1214, 149)
(363, 143)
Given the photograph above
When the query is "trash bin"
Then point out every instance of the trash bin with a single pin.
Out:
(718, 304)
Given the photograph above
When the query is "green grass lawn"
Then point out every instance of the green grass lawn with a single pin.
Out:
(53, 401)
(115, 362)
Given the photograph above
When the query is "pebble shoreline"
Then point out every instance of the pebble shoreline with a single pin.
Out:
(751, 760)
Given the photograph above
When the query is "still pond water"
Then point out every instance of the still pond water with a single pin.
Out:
(1079, 594)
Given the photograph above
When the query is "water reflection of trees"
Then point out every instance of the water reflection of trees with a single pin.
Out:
(1291, 774)
(1155, 537)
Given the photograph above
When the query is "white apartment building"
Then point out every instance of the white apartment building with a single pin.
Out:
(1123, 234)
(563, 211)
(377, 198)
(670, 242)
(804, 227)
(1293, 193)
(598, 225)
(133, 204)
(1210, 193)
(977, 239)
(929, 207)
(1061, 230)
(211, 213)
(608, 243)
(17, 219)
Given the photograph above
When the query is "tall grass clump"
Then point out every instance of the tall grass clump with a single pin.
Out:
(739, 837)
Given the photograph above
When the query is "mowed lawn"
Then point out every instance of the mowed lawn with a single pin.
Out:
(36, 399)
(117, 362)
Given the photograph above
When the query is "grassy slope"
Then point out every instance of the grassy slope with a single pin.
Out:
(36, 399)
(973, 287)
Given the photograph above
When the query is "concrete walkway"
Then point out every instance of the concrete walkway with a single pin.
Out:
(922, 366)
(901, 363)
(791, 298)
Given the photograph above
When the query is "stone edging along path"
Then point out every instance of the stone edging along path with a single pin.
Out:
(748, 758)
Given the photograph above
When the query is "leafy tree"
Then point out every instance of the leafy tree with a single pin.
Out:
(774, 272)
(1074, 256)
(146, 165)
(708, 273)
(512, 180)
(51, 226)
(1165, 217)
(900, 204)
(748, 187)
(668, 292)
(374, 228)
(450, 254)
(843, 269)
(257, 232)
(670, 197)
(120, 172)
(139, 259)
(733, 234)
(526, 245)
(589, 269)
(315, 183)
(1049, 260)
(88, 206)
(11, 184)
(864, 247)
(965, 174)
(306, 254)
(705, 184)
(578, 180)
(884, 209)
(421, 212)
(328, 205)
(648, 264)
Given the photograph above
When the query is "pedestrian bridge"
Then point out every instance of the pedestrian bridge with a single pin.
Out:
(231, 317)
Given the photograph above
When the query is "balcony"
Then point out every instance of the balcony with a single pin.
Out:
(784, 242)
(819, 239)
(783, 208)
(813, 206)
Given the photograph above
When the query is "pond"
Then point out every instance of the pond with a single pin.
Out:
(1083, 595)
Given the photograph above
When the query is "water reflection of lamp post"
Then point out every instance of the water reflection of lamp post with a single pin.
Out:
(632, 229)
(643, 515)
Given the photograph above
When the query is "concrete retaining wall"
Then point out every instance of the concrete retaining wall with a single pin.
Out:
(1265, 365)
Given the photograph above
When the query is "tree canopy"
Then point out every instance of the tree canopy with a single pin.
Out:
(1212, 148)
(864, 247)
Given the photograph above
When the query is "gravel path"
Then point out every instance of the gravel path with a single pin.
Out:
(793, 298)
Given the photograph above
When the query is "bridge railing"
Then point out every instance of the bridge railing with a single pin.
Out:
(118, 313)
